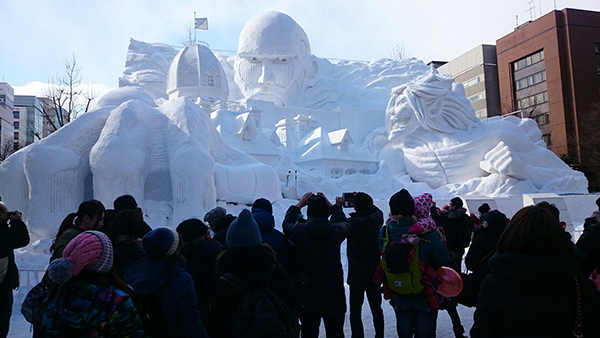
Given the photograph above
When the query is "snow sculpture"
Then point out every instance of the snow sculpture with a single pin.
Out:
(195, 72)
(171, 158)
(274, 63)
(435, 138)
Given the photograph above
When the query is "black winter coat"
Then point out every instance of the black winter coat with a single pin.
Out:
(483, 246)
(534, 296)
(317, 249)
(13, 237)
(587, 249)
(248, 264)
(363, 247)
(201, 261)
(126, 253)
(457, 226)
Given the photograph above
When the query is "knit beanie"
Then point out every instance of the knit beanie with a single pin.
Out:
(263, 203)
(243, 232)
(214, 215)
(495, 219)
(191, 229)
(125, 202)
(90, 250)
(401, 203)
(457, 202)
(362, 202)
(317, 207)
(160, 243)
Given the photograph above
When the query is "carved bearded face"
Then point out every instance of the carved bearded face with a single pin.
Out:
(273, 59)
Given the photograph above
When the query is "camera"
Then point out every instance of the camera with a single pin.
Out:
(348, 199)
(11, 214)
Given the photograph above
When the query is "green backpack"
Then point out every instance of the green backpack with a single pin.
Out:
(403, 276)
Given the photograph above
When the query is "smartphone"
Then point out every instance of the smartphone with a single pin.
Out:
(348, 199)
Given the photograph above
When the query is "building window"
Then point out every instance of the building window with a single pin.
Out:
(530, 80)
(481, 114)
(472, 82)
(542, 119)
(210, 80)
(547, 139)
(351, 171)
(336, 173)
(532, 101)
(528, 60)
(15, 114)
(16, 125)
(476, 98)
(16, 136)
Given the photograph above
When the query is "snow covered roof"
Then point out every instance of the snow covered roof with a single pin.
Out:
(336, 137)
(318, 145)
(196, 66)
(233, 125)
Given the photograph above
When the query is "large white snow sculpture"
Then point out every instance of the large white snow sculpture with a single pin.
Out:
(274, 63)
(170, 158)
(436, 138)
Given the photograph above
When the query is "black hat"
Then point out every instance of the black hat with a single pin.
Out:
(495, 219)
(362, 202)
(484, 208)
(125, 202)
(263, 203)
(402, 203)
(191, 229)
(317, 207)
(457, 202)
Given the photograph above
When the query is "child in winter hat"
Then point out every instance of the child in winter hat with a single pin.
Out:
(160, 243)
(243, 232)
(90, 250)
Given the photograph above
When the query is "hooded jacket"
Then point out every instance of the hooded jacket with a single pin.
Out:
(534, 296)
(174, 291)
(13, 237)
(318, 257)
(248, 264)
(271, 236)
(363, 246)
(457, 226)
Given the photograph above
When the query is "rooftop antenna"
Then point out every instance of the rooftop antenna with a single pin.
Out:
(531, 9)
(540, 6)
(517, 20)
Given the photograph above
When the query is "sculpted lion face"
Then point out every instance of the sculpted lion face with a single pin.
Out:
(432, 102)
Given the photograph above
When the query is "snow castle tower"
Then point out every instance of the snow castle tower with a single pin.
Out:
(196, 73)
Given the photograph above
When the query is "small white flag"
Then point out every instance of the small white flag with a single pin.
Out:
(202, 23)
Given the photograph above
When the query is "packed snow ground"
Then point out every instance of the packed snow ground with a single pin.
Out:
(36, 256)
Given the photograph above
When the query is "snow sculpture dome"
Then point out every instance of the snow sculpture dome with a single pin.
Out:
(196, 73)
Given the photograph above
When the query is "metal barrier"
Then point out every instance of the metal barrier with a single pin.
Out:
(28, 279)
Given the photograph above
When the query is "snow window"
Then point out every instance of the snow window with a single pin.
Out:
(365, 171)
(336, 173)
(247, 135)
(351, 171)
(210, 80)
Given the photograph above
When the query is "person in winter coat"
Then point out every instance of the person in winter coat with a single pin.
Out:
(128, 202)
(125, 232)
(11, 237)
(91, 300)
(413, 313)
(248, 260)
(363, 258)
(201, 256)
(320, 278)
(89, 216)
(262, 212)
(458, 227)
(587, 249)
(219, 220)
(483, 246)
(531, 290)
(161, 282)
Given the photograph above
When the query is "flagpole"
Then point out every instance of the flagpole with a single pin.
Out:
(194, 24)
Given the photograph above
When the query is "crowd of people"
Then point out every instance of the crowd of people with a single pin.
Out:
(112, 275)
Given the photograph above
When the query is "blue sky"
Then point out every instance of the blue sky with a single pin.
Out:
(38, 35)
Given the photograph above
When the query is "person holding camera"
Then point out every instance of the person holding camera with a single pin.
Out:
(587, 249)
(363, 258)
(13, 235)
(320, 278)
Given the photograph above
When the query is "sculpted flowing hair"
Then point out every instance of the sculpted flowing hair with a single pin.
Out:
(439, 104)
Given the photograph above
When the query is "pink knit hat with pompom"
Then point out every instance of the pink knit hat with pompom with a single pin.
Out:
(90, 250)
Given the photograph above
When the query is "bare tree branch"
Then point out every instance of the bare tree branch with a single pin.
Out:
(188, 38)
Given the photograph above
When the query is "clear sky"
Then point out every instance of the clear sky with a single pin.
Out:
(37, 35)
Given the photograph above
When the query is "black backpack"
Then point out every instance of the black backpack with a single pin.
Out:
(261, 312)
